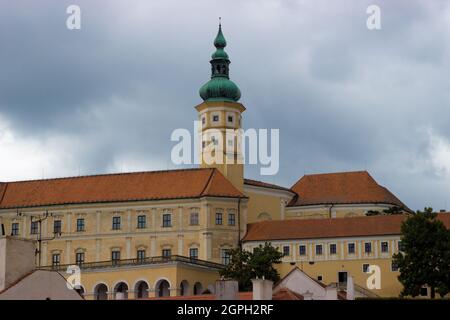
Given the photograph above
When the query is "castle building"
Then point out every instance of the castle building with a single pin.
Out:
(168, 233)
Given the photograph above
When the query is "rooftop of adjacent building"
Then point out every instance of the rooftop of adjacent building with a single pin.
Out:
(330, 228)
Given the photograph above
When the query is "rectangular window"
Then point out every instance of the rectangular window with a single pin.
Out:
(302, 250)
(226, 257)
(116, 223)
(218, 218)
(167, 220)
(424, 292)
(351, 248)
(319, 250)
(394, 267)
(365, 267)
(215, 118)
(166, 253)
(400, 246)
(34, 227)
(320, 278)
(367, 247)
(115, 257)
(56, 259)
(79, 258)
(231, 219)
(141, 222)
(194, 219)
(193, 253)
(15, 229)
(286, 251)
(80, 225)
(384, 247)
(57, 226)
(230, 119)
(203, 120)
(333, 249)
(140, 255)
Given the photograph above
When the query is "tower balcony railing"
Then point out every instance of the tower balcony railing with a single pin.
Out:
(136, 262)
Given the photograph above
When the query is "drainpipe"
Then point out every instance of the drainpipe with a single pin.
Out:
(329, 210)
(239, 223)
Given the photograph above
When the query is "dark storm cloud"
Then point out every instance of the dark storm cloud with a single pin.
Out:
(344, 97)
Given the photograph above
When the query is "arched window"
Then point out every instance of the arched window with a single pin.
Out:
(141, 290)
(163, 288)
(198, 288)
(263, 216)
(121, 291)
(101, 292)
(184, 288)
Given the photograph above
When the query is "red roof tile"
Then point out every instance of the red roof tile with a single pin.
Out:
(341, 188)
(329, 228)
(257, 183)
(138, 186)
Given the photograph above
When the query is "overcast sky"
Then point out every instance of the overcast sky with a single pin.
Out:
(107, 97)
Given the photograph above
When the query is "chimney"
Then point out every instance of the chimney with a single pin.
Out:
(350, 288)
(17, 258)
(227, 290)
(262, 289)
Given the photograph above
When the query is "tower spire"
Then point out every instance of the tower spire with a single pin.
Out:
(220, 87)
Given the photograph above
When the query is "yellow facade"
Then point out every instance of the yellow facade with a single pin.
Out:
(325, 267)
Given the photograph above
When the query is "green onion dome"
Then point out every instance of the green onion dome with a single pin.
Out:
(220, 87)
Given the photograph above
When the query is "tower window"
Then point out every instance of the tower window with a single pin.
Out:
(216, 118)
(230, 119)
(203, 120)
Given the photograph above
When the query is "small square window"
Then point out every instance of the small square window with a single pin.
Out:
(351, 248)
(365, 267)
(166, 253)
(384, 247)
(333, 248)
(302, 250)
(319, 250)
(319, 278)
(286, 251)
(215, 118)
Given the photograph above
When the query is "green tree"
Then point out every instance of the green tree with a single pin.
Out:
(425, 255)
(391, 211)
(245, 266)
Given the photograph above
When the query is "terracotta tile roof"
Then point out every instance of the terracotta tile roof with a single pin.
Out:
(282, 294)
(286, 294)
(341, 188)
(329, 228)
(257, 183)
(137, 186)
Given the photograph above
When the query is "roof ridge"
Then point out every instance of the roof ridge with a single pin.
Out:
(338, 172)
(208, 183)
(108, 174)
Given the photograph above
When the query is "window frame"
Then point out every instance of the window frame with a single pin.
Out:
(300, 247)
(115, 256)
(384, 247)
(317, 253)
(333, 245)
(231, 219)
(353, 246)
(368, 245)
(34, 227)
(15, 228)
(365, 267)
(219, 218)
(194, 219)
(225, 256)
(166, 253)
(116, 222)
(79, 255)
(81, 225)
(193, 250)
(56, 259)
(167, 220)
(286, 253)
(141, 221)
(141, 255)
